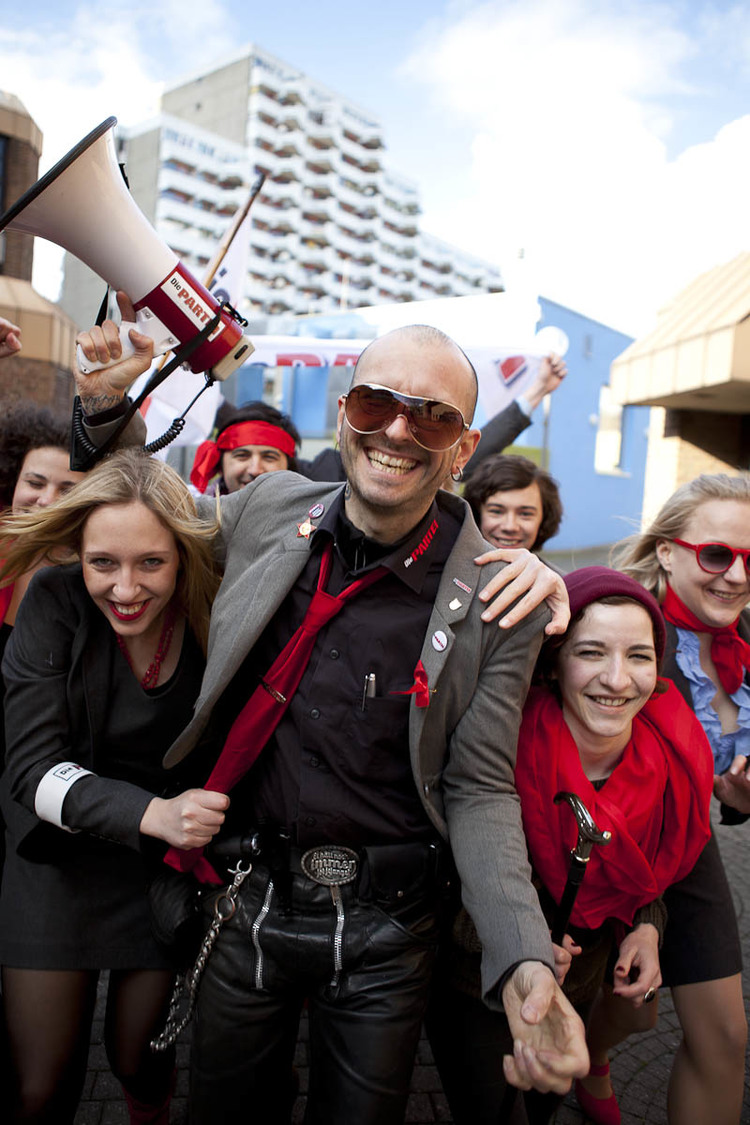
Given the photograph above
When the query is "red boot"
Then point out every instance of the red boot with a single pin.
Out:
(603, 1111)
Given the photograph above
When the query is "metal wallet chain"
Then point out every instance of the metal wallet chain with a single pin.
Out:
(187, 983)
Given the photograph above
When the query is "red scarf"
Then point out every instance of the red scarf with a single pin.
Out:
(208, 454)
(655, 803)
(730, 654)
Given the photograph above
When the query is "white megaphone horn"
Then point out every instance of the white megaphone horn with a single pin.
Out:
(83, 205)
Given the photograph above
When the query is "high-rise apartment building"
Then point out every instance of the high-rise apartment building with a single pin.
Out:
(334, 225)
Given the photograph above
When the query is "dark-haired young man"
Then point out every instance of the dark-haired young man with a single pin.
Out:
(515, 503)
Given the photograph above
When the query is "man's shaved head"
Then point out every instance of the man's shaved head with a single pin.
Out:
(427, 337)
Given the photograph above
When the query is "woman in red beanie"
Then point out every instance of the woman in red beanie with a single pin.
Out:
(694, 559)
(597, 724)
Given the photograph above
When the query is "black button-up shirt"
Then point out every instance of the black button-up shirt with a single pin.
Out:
(337, 769)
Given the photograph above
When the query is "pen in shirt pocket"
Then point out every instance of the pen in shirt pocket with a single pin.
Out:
(368, 691)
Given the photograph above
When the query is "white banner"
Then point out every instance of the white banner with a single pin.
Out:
(503, 372)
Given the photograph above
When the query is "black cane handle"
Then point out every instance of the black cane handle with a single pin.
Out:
(589, 832)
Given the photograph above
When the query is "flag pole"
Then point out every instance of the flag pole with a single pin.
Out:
(231, 231)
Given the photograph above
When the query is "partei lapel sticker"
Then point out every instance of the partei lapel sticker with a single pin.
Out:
(439, 641)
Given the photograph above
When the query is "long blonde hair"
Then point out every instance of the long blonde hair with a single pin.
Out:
(636, 555)
(54, 534)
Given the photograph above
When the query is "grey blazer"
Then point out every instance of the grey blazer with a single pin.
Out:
(462, 746)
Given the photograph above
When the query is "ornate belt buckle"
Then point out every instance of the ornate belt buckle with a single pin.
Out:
(330, 865)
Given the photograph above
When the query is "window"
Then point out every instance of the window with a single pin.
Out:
(608, 450)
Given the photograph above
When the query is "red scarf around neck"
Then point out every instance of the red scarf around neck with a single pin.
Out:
(655, 803)
(730, 654)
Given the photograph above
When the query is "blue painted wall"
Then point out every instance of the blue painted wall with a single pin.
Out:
(600, 508)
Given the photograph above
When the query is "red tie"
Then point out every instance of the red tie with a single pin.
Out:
(262, 713)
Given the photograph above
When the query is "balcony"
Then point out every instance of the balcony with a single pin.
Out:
(316, 259)
(365, 206)
(289, 169)
(293, 91)
(318, 233)
(323, 136)
(262, 102)
(319, 162)
(320, 210)
(319, 182)
(257, 129)
(286, 192)
(275, 219)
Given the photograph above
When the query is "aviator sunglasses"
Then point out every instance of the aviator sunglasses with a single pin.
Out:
(716, 558)
(436, 426)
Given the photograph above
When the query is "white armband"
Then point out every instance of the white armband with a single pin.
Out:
(52, 789)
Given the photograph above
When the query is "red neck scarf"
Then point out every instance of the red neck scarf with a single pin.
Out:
(655, 803)
(208, 454)
(730, 654)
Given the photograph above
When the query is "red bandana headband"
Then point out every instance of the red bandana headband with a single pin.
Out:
(209, 453)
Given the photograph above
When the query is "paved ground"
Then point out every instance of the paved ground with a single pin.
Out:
(640, 1069)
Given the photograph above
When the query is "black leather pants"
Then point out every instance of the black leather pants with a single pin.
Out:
(366, 995)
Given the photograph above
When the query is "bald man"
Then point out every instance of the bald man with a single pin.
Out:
(387, 757)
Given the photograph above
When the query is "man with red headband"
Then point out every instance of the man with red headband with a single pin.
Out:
(251, 440)
(365, 712)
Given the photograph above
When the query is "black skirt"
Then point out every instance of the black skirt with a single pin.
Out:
(701, 941)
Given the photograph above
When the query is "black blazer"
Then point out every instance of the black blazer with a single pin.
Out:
(57, 670)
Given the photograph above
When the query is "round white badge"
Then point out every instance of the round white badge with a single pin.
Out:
(439, 641)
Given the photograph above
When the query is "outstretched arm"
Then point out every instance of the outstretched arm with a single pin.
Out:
(502, 430)
(549, 1039)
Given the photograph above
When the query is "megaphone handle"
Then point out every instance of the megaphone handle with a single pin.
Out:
(146, 324)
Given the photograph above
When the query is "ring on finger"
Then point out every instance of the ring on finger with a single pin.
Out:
(649, 996)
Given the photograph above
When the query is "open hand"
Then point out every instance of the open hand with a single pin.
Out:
(549, 1040)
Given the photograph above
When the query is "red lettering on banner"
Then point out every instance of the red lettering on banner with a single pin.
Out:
(344, 359)
(289, 359)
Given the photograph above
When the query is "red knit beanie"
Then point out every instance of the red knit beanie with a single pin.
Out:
(591, 583)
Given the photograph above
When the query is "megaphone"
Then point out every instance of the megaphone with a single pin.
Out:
(83, 205)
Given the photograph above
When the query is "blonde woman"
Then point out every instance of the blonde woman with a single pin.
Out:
(101, 670)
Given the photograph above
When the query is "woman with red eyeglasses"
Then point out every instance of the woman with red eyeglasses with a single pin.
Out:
(695, 559)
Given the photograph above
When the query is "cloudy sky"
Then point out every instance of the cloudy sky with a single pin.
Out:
(610, 142)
